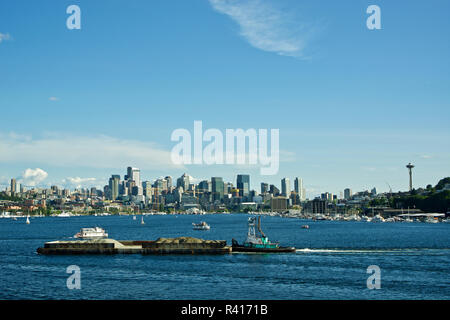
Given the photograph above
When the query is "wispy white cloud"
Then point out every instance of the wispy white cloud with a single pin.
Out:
(4, 37)
(78, 182)
(53, 98)
(267, 27)
(98, 151)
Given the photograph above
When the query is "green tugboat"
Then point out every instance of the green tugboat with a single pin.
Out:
(258, 241)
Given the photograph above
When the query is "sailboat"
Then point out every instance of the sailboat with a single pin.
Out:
(142, 220)
(28, 220)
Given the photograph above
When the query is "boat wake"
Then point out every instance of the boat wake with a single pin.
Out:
(376, 251)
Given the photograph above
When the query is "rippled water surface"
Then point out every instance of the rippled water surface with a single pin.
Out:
(330, 262)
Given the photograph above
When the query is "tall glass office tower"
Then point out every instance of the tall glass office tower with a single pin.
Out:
(243, 184)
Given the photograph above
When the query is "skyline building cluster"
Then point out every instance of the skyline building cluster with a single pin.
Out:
(185, 194)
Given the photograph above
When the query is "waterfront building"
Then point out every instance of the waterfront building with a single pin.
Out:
(279, 203)
(188, 201)
(347, 193)
(318, 206)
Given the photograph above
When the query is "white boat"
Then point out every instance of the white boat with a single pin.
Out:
(378, 218)
(142, 220)
(319, 217)
(431, 220)
(89, 233)
(64, 215)
(134, 217)
(201, 226)
(28, 220)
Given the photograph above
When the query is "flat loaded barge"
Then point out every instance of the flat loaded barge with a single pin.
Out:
(182, 245)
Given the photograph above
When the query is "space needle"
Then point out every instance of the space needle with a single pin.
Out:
(410, 166)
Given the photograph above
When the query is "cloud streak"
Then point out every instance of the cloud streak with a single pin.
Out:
(98, 151)
(4, 37)
(266, 27)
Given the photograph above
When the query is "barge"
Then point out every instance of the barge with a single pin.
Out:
(181, 245)
(95, 241)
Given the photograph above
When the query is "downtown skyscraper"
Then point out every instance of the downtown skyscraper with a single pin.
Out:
(285, 187)
(243, 184)
(298, 188)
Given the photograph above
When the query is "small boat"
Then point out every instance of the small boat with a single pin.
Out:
(432, 220)
(305, 226)
(378, 218)
(90, 233)
(64, 215)
(201, 226)
(134, 217)
(142, 220)
(258, 242)
(28, 220)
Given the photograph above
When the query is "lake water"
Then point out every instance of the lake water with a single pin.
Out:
(330, 263)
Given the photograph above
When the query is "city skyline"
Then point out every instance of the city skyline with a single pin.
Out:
(241, 182)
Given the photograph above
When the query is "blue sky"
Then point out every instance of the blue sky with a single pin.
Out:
(353, 105)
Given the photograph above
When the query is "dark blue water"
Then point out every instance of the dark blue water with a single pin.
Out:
(331, 264)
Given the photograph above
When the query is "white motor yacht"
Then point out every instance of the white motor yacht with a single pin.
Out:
(89, 233)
